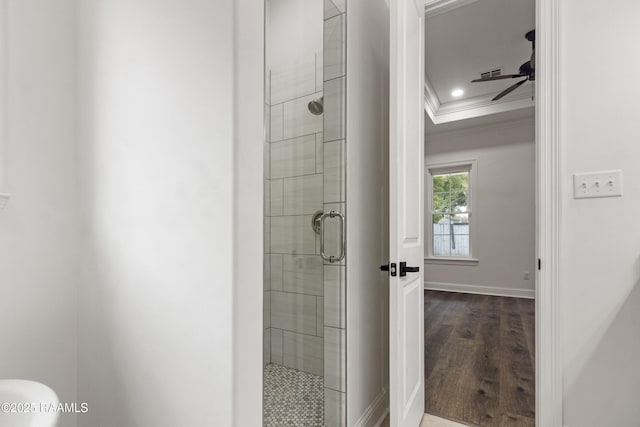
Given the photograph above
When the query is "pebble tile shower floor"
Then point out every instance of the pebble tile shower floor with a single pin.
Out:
(292, 398)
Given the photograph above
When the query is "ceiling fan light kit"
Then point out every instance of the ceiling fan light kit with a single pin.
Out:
(527, 70)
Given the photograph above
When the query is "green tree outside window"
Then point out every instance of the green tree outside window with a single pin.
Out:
(450, 195)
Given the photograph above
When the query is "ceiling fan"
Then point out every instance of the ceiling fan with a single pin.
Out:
(527, 70)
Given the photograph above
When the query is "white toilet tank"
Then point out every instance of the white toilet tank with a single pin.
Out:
(27, 404)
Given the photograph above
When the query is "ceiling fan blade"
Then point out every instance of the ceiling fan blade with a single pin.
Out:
(506, 76)
(510, 89)
(532, 61)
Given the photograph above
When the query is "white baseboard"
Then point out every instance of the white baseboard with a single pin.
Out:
(482, 290)
(375, 414)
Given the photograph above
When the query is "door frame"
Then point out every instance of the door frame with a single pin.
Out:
(548, 214)
(248, 316)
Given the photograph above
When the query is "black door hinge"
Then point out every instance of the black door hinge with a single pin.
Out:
(539, 264)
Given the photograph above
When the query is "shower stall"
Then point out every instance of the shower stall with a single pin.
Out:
(305, 214)
(312, 294)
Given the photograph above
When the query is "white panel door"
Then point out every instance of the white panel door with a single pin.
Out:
(406, 236)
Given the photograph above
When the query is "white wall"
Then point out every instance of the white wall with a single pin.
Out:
(248, 215)
(367, 210)
(38, 229)
(4, 38)
(156, 155)
(296, 25)
(600, 248)
(503, 207)
(148, 345)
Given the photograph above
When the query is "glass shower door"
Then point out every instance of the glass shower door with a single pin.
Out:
(305, 214)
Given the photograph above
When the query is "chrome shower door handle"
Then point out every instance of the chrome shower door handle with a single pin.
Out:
(341, 243)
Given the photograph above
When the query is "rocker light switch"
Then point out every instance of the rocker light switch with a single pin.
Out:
(597, 184)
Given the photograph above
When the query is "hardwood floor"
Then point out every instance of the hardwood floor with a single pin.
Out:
(429, 420)
(479, 359)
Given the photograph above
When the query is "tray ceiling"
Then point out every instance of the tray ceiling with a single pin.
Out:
(467, 37)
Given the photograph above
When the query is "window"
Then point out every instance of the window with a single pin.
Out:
(449, 211)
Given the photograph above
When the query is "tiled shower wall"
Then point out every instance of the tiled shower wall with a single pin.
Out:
(294, 290)
(304, 172)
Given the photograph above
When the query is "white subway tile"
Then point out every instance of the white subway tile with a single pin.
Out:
(267, 123)
(266, 346)
(267, 87)
(335, 408)
(319, 153)
(303, 274)
(276, 122)
(266, 272)
(293, 312)
(319, 71)
(276, 346)
(334, 48)
(298, 120)
(267, 235)
(334, 296)
(320, 314)
(275, 195)
(276, 272)
(340, 4)
(334, 359)
(303, 352)
(267, 197)
(266, 310)
(334, 171)
(293, 157)
(334, 109)
(267, 159)
(293, 80)
(302, 195)
(292, 235)
(330, 9)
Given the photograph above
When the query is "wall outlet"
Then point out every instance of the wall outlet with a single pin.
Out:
(597, 184)
(527, 275)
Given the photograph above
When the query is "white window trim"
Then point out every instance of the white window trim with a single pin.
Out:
(451, 167)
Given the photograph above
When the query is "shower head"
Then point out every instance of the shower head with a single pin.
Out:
(316, 107)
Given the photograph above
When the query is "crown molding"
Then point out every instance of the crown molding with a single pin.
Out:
(479, 102)
(438, 7)
(471, 107)
(431, 100)
(502, 125)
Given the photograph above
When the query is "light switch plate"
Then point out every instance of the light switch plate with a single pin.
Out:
(597, 184)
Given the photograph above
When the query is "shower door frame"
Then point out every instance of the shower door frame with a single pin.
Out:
(296, 75)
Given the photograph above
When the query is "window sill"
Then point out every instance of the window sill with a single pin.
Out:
(451, 261)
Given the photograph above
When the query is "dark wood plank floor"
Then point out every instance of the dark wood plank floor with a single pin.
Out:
(479, 359)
